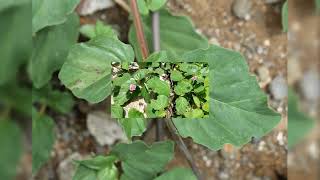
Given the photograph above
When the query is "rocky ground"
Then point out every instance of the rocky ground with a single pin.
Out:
(252, 27)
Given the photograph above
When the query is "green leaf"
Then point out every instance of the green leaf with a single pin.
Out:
(199, 89)
(238, 107)
(100, 168)
(43, 138)
(16, 42)
(205, 106)
(142, 7)
(182, 105)
(160, 113)
(134, 113)
(145, 5)
(61, 102)
(12, 4)
(87, 71)
(17, 98)
(159, 86)
(116, 111)
(140, 161)
(51, 47)
(194, 113)
(48, 13)
(177, 173)
(285, 20)
(177, 33)
(119, 81)
(160, 103)
(133, 126)
(183, 87)
(155, 5)
(140, 74)
(299, 123)
(196, 100)
(11, 148)
(100, 29)
(190, 69)
(176, 75)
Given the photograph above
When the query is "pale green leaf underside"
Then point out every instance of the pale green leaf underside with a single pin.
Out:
(51, 47)
(299, 123)
(140, 161)
(177, 33)
(177, 173)
(43, 138)
(87, 71)
(48, 12)
(238, 107)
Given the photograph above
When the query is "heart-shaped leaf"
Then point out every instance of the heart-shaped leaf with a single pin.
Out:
(238, 107)
(48, 12)
(139, 161)
(51, 47)
(87, 71)
(43, 137)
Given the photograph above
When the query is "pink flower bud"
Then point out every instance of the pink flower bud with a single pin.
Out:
(132, 87)
(194, 78)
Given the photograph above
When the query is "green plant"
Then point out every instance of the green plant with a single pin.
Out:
(155, 89)
(236, 107)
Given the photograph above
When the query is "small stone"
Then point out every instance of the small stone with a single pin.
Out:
(280, 138)
(266, 42)
(241, 8)
(310, 85)
(87, 7)
(313, 150)
(67, 167)
(105, 130)
(279, 88)
(264, 76)
(261, 146)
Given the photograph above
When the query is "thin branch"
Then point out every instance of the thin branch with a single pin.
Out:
(139, 29)
(183, 148)
(123, 4)
(156, 31)
(156, 47)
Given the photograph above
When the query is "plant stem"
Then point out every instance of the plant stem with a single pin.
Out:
(156, 31)
(156, 48)
(139, 29)
(183, 148)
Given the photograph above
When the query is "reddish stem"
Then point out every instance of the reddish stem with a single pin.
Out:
(139, 29)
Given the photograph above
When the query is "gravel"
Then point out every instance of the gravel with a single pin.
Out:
(67, 167)
(279, 88)
(108, 135)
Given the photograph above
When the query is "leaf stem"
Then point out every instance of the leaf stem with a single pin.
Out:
(139, 29)
(183, 148)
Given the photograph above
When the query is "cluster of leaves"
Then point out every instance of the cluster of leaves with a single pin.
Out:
(237, 107)
(133, 81)
(159, 85)
(191, 85)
